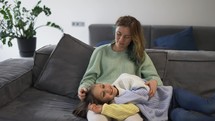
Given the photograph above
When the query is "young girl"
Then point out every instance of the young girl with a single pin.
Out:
(104, 106)
(128, 89)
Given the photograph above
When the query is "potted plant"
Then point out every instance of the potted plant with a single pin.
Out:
(19, 22)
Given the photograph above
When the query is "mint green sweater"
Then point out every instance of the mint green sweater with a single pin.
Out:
(106, 65)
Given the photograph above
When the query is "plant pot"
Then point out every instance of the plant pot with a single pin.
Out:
(26, 46)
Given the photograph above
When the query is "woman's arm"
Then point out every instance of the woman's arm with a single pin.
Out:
(149, 72)
(92, 71)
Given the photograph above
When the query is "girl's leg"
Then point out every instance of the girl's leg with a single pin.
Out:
(91, 116)
(180, 114)
(135, 117)
(190, 101)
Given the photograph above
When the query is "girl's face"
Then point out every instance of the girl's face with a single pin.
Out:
(104, 92)
(122, 38)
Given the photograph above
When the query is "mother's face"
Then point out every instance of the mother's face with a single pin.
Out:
(122, 38)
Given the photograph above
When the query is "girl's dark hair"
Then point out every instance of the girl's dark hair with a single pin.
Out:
(137, 45)
(82, 108)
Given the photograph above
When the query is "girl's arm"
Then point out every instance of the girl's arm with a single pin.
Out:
(116, 111)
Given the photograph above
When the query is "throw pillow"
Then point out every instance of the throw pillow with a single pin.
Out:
(65, 67)
(183, 40)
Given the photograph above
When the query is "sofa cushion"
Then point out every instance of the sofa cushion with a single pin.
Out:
(192, 70)
(65, 67)
(40, 58)
(160, 64)
(15, 78)
(183, 40)
(38, 105)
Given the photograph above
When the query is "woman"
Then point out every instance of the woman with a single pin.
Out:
(125, 55)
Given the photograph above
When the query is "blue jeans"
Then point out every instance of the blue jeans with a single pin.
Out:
(190, 107)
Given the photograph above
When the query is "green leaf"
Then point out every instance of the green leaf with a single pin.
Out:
(54, 25)
(47, 10)
(3, 12)
(19, 22)
(9, 42)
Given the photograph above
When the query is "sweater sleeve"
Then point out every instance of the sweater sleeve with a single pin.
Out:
(149, 71)
(92, 71)
(119, 111)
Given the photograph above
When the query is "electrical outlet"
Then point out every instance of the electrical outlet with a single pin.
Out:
(78, 23)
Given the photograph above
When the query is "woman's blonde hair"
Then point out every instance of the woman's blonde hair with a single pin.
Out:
(137, 45)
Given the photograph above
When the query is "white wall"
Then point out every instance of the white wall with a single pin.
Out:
(156, 12)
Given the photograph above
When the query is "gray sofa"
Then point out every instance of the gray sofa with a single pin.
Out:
(203, 35)
(45, 88)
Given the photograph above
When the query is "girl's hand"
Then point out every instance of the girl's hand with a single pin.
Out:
(82, 93)
(95, 108)
(153, 87)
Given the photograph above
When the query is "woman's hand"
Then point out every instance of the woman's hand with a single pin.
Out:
(95, 108)
(82, 93)
(153, 87)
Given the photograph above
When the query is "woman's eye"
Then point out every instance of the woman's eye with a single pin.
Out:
(118, 34)
(127, 37)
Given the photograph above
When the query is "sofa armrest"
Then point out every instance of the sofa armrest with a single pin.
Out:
(15, 77)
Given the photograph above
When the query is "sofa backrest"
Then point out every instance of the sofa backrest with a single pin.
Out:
(203, 35)
(192, 70)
